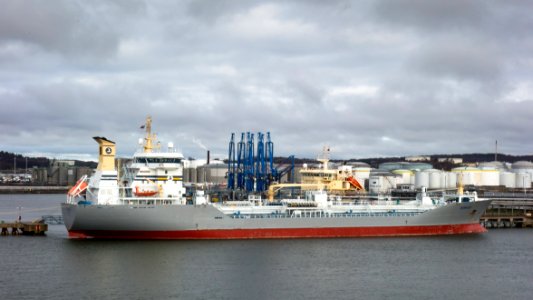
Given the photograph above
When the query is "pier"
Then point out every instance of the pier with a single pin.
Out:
(32, 189)
(509, 213)
(23, 228)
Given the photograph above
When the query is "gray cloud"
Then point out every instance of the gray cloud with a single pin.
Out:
(368, 78)
(458, 58)
(65, 27)
(435, 15)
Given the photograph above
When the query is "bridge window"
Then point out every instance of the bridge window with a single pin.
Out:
(158, 160)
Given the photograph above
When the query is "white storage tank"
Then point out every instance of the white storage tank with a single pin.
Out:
(405, 176)
(523, 167)
(523, 180)
(468, 175)
(382, 183)
(448, 180)
(421, 179)
(434, 178)
(186, 175)
(361, 173)
(403, 165)
(390, 182)
(196, 170)
(193, 175)
(201, 176)
(374, 184)
(390, 166)
(498, 165)
(508, 179)
(216, 173)
(358, 164)
(489, 177)
(418, 166)
(297, 174)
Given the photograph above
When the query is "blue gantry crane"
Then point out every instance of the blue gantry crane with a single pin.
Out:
(231, 166)
(240, 163)
(249, 163)
(252, 169)
(260, 165)
(270, 156)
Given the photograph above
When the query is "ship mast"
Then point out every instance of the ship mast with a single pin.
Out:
(460, 187)
(150, 138)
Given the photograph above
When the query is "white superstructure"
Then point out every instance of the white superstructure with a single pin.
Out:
(152, 176)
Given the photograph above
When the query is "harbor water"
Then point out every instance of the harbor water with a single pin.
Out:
(493, 265)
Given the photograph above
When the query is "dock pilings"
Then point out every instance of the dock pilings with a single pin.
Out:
(22, 228)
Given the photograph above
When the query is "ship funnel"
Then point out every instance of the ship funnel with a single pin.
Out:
(106, 154)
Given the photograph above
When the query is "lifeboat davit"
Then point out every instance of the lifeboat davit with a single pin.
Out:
(79, 187)
(144, 193)
(355, 182)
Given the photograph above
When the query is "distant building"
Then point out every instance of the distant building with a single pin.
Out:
(470, 164)
(63, 163)
(453, 160)
(417, 158)
(63, 173)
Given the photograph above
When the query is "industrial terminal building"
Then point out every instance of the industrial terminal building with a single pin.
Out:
(393, 175)
(487, 174)
(59, 173)
(388, 176)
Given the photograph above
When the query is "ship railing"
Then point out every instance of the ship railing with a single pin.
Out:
(147, 201)
(325, 215)
(369, 202)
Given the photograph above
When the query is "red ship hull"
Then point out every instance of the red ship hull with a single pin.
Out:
(339, 232)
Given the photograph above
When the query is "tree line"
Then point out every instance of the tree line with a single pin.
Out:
(8, 160)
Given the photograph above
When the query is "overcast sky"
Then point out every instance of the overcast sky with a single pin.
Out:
(367, 78)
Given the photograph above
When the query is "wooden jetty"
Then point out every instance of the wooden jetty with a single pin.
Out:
(23, 228)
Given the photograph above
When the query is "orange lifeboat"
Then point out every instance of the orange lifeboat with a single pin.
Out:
(355, 183)
(144, 193)
(79, 187)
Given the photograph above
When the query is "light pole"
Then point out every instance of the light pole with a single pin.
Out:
(20, 214)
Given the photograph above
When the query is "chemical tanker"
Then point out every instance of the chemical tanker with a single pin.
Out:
(147, 201)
